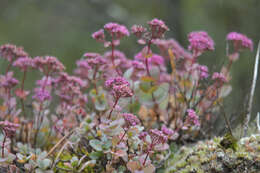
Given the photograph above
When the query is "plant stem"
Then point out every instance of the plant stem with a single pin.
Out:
(3, 146)
(122, 137)
(110, 113)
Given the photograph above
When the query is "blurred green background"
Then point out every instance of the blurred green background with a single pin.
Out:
(63, 28)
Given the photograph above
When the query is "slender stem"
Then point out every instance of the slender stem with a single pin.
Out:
(94, 79)
(110, 113)
(22, 88)
(148, 152)
(113, 57)
(9, 66)
(146, 58)
(122, 137)
(3, 146)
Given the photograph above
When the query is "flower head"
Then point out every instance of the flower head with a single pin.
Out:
(138, 30)
(219, 77)
(158, 28)
(120, 87)
(240, 41)
(48, 64)
(42, 94)
(8, 81)
(23, 63)
(130, 119)
(9, 128)
(192, 118)
(167, 131)
(99, 35)
(11, 52)
(157, 136)
(116, 30)
(200, 41)
(203, 71)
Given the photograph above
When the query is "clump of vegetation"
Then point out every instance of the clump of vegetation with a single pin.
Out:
(114, 113)
(210, 156)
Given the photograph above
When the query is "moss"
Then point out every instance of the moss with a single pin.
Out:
(216, 156)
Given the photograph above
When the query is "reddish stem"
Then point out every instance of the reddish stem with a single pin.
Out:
(112, 56)
(122, 137)
(110, 113)
(148, 152)
(146, 58)
(22, 88)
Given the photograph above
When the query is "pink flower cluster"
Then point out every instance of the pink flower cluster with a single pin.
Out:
(11, 52)
(8, 81)
(120, 87)
(24, 63)
(48, 64)
(203, 71)
(158, 28)
(240, 41)
(157, 136)
(193, 117)
(167, 131)
(116, 30)
(9, 128)
(219, 77)
(130, 119)
(200, 41)
(138, 30)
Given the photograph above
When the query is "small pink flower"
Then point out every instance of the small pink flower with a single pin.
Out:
(8, 81)
(219, 77)
(157, 137)
(120, 87)
(158, 28)
(200, 41)
(99, 35)
(42, 94)
(138, 65)
(116, 31)
(48, 64)
(9, 128)
(167, 131)
(23, 63)
(192, 117)
(130, 119)
(138, 30)
(11, 52)
(240, 41)
(203, 71)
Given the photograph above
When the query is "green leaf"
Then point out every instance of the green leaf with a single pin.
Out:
(74, 161)
(94, 155)
(96, 144)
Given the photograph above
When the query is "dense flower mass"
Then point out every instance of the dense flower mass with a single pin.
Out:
(103, 119)
(200, 42)
(240, 41)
